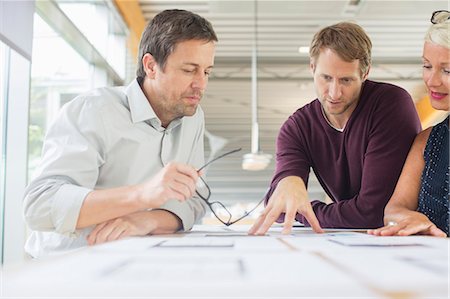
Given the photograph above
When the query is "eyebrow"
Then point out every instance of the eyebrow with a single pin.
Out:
(339, 78)
(196, 65)
(442, 63)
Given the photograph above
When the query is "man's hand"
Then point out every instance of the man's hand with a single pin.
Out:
(174, 181)
(136, 224)
(411, 223)
(290, 197)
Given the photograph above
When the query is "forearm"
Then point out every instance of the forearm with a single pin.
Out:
(165, 222)
(102, 205)
(405, 197)
(366, 208)
(347, 214)
(147, 222)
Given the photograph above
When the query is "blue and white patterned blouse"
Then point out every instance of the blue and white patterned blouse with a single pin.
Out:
(434, 189)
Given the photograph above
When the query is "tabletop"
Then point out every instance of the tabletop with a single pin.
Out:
(225, 262)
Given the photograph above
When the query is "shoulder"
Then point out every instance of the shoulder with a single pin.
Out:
(307, 114)
(96, 99)
(421, 141)
(389, 103)
(96, 106)
(422, 137)
(303, 121)
(383, 92)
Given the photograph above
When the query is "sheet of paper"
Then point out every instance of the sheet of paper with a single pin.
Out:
(175, 268)
(366, 240)
(197, 242)
(134, 244)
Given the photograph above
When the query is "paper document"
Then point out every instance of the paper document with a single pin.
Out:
(376, 241)
(197, 242)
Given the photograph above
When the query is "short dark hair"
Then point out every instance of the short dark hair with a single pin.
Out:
(166, 30)
(348, 40)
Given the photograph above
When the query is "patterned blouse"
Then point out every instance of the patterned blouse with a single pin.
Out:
(434, 189)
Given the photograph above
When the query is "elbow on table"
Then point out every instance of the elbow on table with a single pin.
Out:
(37, 219)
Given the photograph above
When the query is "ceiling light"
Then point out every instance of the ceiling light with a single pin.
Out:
(256, 160)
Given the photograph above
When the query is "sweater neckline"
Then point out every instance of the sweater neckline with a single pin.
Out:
(328, 121)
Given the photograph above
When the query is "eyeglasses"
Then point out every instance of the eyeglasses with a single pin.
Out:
(440, 16)
(217, 208)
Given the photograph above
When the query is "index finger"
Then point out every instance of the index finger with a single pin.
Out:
(259, 221)
(255, 227)
(187, 170)
(271, 217)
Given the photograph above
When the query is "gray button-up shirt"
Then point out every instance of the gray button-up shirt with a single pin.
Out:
(107, 138)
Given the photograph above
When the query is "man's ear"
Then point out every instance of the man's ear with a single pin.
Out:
(149, 64)
(312, 67)
(366, 74)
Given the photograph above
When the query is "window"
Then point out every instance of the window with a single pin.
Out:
(103, 27)
(58, 74)
(15, 56)
(14, 102)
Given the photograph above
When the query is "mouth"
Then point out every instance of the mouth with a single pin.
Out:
(195, 99)
(438, 95)
(334, 102)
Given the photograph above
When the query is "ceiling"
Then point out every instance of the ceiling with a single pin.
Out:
(284, 83)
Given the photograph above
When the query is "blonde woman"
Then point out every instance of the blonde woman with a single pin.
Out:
(420, 203)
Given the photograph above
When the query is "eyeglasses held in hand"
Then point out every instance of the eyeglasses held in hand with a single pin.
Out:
(440, 16)
(217, 208)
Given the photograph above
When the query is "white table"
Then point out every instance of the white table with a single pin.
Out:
(215, 261)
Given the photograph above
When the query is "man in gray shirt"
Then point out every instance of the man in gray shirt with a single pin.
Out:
(121, 161)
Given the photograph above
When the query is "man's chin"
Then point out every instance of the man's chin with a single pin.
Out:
(190, 111)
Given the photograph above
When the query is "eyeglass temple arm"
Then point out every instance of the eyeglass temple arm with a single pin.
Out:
(218, 157)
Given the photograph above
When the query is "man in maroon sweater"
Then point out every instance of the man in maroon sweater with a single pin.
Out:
(355, 136)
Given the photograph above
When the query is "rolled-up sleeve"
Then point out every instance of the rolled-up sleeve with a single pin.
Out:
(189, 212)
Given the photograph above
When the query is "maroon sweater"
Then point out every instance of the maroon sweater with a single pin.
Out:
(359, 167)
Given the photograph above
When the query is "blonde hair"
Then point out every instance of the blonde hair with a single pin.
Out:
(439, 33)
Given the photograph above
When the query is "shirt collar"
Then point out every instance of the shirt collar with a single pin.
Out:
(141, 110)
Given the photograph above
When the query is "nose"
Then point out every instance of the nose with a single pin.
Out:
(200, 81)
(434, 79)
(334, 90)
